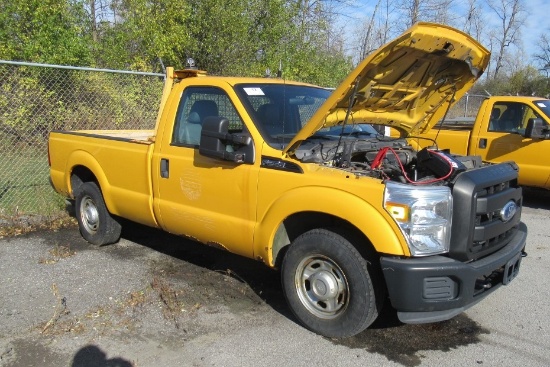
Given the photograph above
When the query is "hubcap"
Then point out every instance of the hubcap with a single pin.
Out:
(321, 286)
(89, 215)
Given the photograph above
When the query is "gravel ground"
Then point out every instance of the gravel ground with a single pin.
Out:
(159, 300)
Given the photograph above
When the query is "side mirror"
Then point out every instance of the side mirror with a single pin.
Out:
(217, 142)
(535, 129)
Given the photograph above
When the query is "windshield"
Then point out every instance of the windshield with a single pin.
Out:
(281, 110)
(350, 129)
(544, 106)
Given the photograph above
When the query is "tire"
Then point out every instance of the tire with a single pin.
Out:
(328, 286)
(94, 220)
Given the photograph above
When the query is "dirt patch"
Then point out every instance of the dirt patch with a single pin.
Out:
(121, 293)
(159, 300)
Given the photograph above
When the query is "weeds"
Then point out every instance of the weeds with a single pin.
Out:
(169, 299)
(22, 224)
(60, 309)
(57, 253)
(122, 314)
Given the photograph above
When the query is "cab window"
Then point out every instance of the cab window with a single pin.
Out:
(510, 117)
(195, 105)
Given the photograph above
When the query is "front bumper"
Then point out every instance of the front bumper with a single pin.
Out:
(437, 288)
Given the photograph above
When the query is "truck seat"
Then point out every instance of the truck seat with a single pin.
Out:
(510, 119)
(190, 132)
(493, 122)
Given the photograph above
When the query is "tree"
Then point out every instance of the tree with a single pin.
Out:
(371, 36)
(542, 57)
(48, 31)
(474, 24)
(511, 15)
(316, 49)
(414, 11)
(140, 33)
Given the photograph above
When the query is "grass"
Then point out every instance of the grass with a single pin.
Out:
(24, 181)
(27, 201)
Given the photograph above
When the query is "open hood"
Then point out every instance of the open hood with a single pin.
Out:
(406, 84)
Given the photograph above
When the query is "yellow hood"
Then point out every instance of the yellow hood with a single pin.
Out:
(406, 84)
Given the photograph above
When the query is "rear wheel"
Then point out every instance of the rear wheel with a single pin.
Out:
(327, 284)
(94, 220)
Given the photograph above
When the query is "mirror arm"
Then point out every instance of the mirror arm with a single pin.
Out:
(231, 138)
(228, 156)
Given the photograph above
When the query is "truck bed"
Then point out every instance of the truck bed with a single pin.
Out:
(121, 161)
(455, 138)
(136, 136)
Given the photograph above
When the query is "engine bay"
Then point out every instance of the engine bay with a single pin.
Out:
(385, 158)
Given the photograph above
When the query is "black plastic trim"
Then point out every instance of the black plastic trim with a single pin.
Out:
(280, 165)
(405, 280)
(474, 197)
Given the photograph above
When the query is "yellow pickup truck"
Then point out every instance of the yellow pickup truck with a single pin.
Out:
(293, 175)
(507, 128)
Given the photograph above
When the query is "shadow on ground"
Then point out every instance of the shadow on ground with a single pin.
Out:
(387, 336)
(536, 198)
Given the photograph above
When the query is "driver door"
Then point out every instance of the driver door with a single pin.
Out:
(207, 199)
(503, 141)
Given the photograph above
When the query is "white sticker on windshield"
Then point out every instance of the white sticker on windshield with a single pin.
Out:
(254, 91)
(540, 104)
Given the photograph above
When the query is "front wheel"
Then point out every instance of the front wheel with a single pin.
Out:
(328, 286)
(94, 220)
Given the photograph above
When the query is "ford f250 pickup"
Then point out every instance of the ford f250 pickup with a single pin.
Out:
(507, 128)
(294, 176)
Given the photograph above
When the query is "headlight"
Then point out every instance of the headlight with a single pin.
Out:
(423, 214)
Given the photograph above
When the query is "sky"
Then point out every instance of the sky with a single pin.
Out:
(536, 20)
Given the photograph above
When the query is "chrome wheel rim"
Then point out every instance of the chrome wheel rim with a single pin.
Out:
(322, 286)
(89, 215)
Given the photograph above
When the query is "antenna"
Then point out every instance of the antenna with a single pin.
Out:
(280, 71)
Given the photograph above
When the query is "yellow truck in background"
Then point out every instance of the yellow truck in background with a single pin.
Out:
(507, 128)
(293, 175)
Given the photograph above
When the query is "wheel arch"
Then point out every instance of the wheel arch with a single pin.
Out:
(85, 168)
(79, 175)
(302, 210)
(299, 223)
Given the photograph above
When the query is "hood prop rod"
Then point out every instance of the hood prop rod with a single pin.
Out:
(348, 112)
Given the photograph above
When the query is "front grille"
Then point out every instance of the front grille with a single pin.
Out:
(479, 195)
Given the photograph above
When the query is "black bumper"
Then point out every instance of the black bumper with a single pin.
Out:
(437, 288)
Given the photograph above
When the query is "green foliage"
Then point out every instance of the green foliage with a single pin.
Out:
(24, 186)
(524, 82)
(36, 100)
(145, 31)
(48, 31)
(225, 37)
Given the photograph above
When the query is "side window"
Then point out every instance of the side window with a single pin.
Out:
(196, 104)
(510, 117)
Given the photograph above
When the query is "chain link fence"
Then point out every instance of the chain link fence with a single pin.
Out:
(467, 106)
(36, 99)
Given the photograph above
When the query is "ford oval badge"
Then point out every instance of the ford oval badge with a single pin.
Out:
(508, 211)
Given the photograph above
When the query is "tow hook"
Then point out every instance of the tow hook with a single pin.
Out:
(523, 254)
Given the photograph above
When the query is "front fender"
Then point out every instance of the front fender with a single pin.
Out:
(374, 223)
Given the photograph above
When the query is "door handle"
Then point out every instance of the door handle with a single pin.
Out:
(164, 168)
(482, 143)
